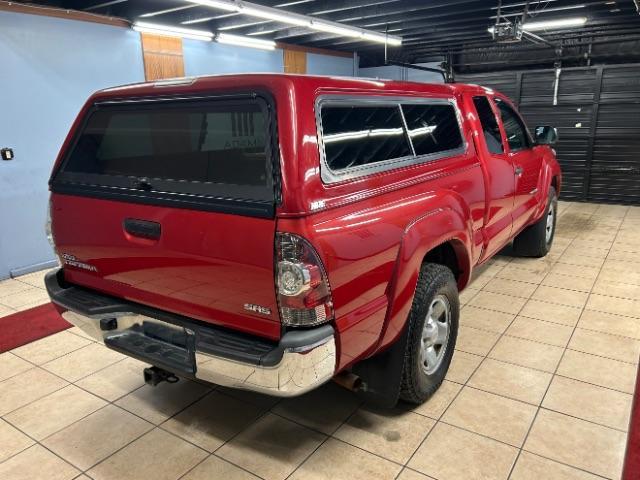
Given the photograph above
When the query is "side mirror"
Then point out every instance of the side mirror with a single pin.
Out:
(546, 135)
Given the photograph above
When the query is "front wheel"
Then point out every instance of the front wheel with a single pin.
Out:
(536, 239)
(433, 328)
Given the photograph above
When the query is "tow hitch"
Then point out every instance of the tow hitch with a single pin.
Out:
(155, 375)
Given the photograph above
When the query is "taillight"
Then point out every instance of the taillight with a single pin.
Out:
(304, 296)
(47, 226)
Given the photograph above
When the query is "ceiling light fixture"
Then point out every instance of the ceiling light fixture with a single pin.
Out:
(169, 31)
(290, 18)
(551, 24)
(555, 24)
(242, 41)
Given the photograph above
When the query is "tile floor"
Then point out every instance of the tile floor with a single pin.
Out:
(540, 388)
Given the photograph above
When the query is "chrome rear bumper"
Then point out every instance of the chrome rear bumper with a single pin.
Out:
(300, 362)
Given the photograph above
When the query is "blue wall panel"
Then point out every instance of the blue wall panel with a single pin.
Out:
(49, 68)
(209, 58)
(329, 65)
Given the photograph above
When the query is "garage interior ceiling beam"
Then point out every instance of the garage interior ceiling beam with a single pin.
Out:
(429, 28)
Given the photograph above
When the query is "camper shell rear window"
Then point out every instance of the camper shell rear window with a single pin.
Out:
(207, 152)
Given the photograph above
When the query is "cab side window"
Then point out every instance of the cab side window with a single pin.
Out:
(517, 136)
(489, 125)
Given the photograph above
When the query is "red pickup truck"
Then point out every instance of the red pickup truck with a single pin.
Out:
(271, 232)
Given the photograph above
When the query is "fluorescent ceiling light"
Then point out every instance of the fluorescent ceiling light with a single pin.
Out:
(551, 24)
(167, 10)
(555, 24)
(290, 18)
(169, 31)
(245, 41)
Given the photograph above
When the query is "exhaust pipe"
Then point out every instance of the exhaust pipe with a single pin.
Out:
(155, 375)
(349, 381)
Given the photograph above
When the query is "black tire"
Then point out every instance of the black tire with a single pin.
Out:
(435, 283)
(533, 240)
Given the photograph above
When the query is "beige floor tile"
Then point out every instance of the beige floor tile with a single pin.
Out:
(157, 455)
(526, 353)
(574, 258)
(22, 389)
(273, 447)
(116, 380)
(85, 361)
(25, 298)
(624, 256)
(77, 331)
(467, 294)
(581, 444)
(570, 282)
(5, 311)
(335, 459)
(540, 331)
(96, 436)
(11, 287)
(35, 279)
(12, 441)
(515, 272)
(617, 289)
(11, 365)
(608, 323)
(533, 467)
(408, 474)
(476, 341)
(614, 305)
(611, 346)
(36, 463)
(450, 453)
(510, 287)
(438, 403)
(511, 381)
(533, 264)
(323, 409)
(572, 298)
(580, 271)
(589, 251)
(589, 402)
(157, 404)
(263, 401)
(498, 302)
(214, 468)
(212, 420)
(598, 370)
(551, 312)
(612, 275)
(491, 415)
(462, 366)
(54, 412)
(50, 348)
(485, 319)
(392, 434)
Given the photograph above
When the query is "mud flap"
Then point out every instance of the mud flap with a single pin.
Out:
(382, 374)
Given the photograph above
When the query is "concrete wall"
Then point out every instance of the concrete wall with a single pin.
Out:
(208, 58)
(49, 68)
(330, 65)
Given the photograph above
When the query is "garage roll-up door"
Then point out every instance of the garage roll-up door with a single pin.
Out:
(597, 112)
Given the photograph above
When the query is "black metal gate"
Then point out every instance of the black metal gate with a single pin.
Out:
(597, 112)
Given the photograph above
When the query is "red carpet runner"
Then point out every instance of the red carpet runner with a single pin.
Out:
(632, 462)
(29, 325)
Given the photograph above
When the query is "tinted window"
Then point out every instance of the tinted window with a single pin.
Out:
(362, 135)
(489, 125)
(215, 148)
(513, 127)
(432, 128)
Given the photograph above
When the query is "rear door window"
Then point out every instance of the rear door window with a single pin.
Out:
(489, 124)
(213, 148)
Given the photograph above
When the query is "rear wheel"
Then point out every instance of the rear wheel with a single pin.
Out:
(536, 239)
(433, 327)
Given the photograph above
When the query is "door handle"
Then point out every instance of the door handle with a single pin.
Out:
(518, 171)
(142, 228)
